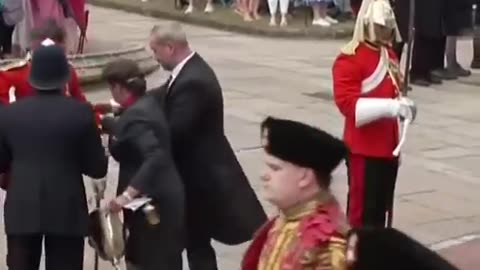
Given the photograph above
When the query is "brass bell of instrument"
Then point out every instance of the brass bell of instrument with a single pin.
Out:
(106, 235)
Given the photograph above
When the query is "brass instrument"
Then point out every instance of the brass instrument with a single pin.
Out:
(106, 235)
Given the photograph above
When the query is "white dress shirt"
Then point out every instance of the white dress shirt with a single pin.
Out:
(178, 68)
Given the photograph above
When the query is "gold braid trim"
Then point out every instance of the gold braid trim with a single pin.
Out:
(333, 257)
(18, 63)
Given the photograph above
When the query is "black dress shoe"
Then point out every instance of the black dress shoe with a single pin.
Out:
(420, 82)
(444, 74)
(434, 79)
(460, 71)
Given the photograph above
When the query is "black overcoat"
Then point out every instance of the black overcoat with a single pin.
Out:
(215, 182)
(429, 17)
(140, 142)
(48, 141)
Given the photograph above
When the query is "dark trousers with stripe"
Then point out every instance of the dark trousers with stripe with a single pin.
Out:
(371, 183)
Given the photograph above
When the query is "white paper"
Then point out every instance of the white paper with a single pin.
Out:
(137, 203)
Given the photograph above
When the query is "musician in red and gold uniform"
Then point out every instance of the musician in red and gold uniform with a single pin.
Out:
(366, 84)
(13, 78)
(310, 231)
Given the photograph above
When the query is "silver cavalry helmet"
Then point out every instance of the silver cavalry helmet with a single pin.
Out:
(106, 235)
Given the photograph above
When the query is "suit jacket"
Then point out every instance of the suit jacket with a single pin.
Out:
(140, 142)
(48, 141)
(215, 182)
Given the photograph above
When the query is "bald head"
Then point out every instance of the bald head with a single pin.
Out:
(169, 33)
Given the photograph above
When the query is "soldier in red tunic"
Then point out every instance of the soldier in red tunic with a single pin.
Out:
(13, 78)
(366, 83)
(311, 229)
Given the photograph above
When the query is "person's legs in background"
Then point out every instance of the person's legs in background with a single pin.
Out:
(320, 16)
(419, 72)
(209, 8)
(438, 71)
(253, 7)
(355, 5)
(273, 7)
(451, 54)
(343, 10)
(476, 49)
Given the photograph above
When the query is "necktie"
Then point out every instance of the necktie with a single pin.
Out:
(167, 85)
(169, 80)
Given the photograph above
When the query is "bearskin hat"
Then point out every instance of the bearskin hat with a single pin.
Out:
(390, 249)
(303, 145)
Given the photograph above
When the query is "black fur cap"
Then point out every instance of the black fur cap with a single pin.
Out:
(303, 145)
(391, 249)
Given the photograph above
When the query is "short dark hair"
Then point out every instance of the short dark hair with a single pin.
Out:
(127, 73)
(49, 29)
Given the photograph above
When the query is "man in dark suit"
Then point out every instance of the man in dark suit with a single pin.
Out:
(48, 141)
(140, 142)
(221, 204)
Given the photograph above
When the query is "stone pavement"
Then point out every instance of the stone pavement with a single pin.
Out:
(438, 190)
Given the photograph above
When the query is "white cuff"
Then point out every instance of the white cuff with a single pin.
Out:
(368, 110)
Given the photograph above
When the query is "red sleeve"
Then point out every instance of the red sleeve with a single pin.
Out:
(347, 84)
(4, 89)
(76, 92)
(74, 87)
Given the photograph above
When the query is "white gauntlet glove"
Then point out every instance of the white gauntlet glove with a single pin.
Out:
(406, 109)
(368, 110)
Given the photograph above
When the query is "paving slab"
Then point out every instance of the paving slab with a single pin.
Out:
(465, 256)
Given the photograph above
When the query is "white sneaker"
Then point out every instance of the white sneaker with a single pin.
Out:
(209, 8)
(284, 21)
(331, 20)
(189, 9)
(273, 21)
(321, 22)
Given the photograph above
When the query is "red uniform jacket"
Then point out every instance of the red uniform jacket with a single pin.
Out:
(361, 76)
(18, 78)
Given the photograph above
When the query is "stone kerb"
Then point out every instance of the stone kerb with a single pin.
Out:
(89, 65)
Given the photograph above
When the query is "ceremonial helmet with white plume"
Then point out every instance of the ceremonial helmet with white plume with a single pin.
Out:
(373, 14)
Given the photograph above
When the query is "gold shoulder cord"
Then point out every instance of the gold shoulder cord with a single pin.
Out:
(17, 64)
(394, 72)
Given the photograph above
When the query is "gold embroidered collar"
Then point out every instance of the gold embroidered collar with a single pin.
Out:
(305, 208)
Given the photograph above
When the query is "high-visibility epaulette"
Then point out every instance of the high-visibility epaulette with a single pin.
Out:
(17, 64)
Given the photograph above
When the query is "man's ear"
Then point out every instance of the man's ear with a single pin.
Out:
(305, 177)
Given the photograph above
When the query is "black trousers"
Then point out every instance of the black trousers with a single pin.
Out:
(151, 247)
(200, 252)
(371, 183)
(61, 252)
(428, 55)
(6, 32)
